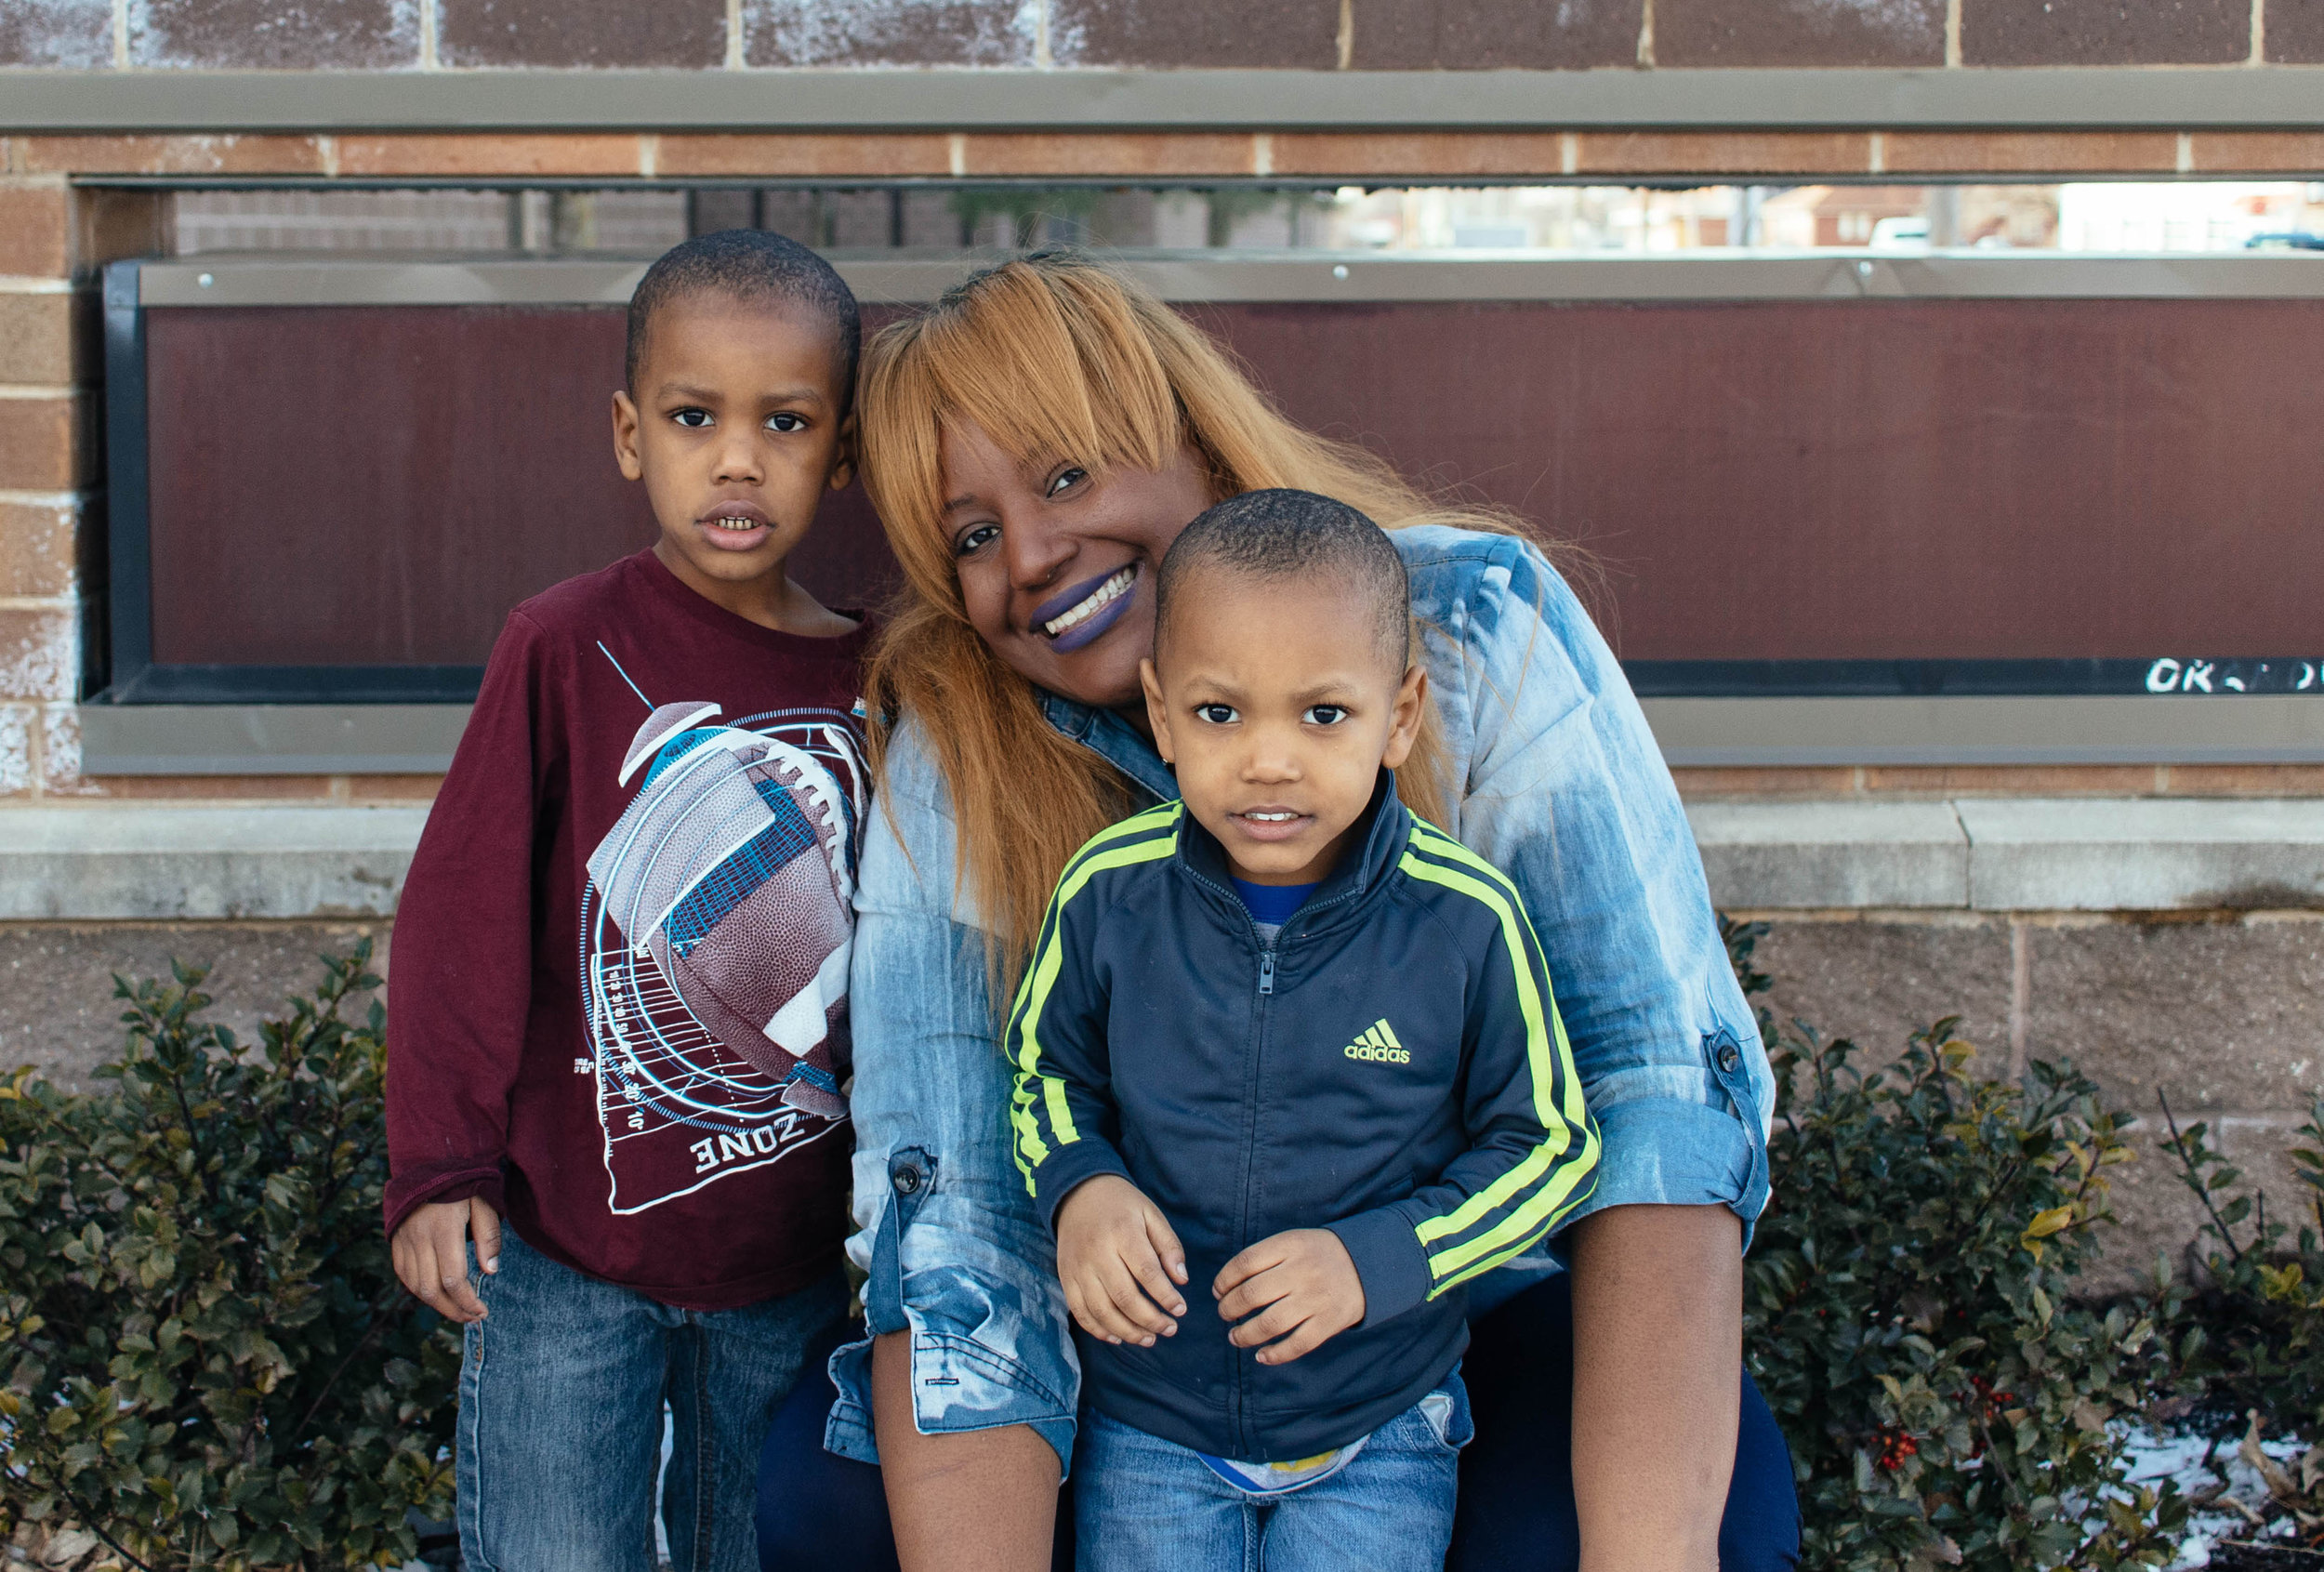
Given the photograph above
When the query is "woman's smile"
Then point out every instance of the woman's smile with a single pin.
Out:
(1092, 607)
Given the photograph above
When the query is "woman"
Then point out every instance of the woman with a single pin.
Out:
(1034, 443)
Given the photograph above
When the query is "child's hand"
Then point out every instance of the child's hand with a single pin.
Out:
(1114, 1249)
(1302, 1283)
(431, 1261)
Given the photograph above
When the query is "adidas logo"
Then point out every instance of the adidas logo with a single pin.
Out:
(1379, 1044)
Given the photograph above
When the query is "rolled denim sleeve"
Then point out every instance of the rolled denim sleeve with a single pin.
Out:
(953, 1248)
(1567, 792)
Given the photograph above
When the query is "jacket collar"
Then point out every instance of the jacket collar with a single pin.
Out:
(1371, 858)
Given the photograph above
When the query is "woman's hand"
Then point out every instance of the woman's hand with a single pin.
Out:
(1120, 1263)
(1303, 1287)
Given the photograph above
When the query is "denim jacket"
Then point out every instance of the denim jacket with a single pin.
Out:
(1563, 789)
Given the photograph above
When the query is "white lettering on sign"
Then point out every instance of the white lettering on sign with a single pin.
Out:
(2197, 676)
(2162, 676)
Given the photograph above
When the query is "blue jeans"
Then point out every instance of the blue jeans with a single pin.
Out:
(821, 1512)
(562, 1391)
(1143, 1504)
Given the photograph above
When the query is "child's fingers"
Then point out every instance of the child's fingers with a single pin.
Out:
(1254, 1293)
(1267, 1253)
(1101, 1313)
(1146, 1267)
(1173, 1255)
(1269, 1324)
(1129, 1297)
(484, 1227)
(1305, 1337)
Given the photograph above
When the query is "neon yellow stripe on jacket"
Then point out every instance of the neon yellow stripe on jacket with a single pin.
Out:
(1029, 1104)
(1549, 1060)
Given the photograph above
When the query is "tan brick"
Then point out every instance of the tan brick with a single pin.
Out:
(37, 229)
(225, 153)
(39, 546)
(37, 341)
(366, 790)
(46, 445)
(1417, 152)
(1698, 783)
(1156, 153)
(1878, 983)
(39, 652)
(2030, 152)
(209, 789)
(2273, 152)
(2244, 780)
(549, 154)
(1725, 153)
(18, 722)
(806, 153)
(2013, 780)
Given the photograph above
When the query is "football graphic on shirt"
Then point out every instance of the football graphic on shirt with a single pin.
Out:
(717, 924)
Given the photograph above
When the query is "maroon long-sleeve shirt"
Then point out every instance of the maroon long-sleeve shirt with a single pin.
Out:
(617, 998)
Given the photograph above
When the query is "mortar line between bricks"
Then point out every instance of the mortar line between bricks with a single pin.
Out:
(40, 602)
(46, 389)
(2259, 35)
(30, 283)
(44, 498)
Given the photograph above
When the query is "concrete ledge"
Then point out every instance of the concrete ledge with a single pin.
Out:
(1820, 854)
(101, 862)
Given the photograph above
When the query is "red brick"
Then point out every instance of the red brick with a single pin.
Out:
(1150, 153)
(36, 229)
(804, 153)
(2271, 153)
(887, 32)
(1725, 153)
(1799, 32)
(74, 34)
(2031, 152)
(1417, 152)
(208, 788)
(1493, 34)
(594, 153)
(2295, 31)
(581, 32)
(17, 724)
(39, 546)
(2020, 32)
(39, 652)
(38, 338)
(269, 36)
(368, 790)
(2244, 780)
(2012, 780)
(46, 445)
(1698, 782)
(222, 153)
(1288, 33)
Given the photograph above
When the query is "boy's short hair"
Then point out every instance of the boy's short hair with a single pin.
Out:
(750, 266)
(1283, 533)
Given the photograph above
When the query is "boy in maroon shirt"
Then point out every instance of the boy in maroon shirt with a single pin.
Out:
(618, 1010)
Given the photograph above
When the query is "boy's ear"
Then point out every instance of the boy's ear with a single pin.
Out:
(1403, 729)
(843, 457)
(1158, 713)
(626, 436)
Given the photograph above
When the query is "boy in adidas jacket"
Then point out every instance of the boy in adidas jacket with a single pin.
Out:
(1288, 1042)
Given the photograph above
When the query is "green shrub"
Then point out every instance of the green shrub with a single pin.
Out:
(1907, 1312)
(208, 1362)
(2250, 1345)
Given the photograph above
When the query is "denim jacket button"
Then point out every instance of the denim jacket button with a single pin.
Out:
(1729, 1057)
(907, 1180)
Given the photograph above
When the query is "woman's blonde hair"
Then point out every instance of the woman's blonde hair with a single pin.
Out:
(1054, 357)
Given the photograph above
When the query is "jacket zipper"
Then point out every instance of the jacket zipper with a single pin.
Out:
(1267, 969)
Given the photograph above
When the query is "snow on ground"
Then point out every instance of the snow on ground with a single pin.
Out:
(2158, 1456)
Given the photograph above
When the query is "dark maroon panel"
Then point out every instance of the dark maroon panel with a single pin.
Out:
(1973, 480)
(379, 485)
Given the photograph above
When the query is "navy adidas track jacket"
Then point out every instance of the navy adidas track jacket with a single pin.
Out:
(1393, 1069)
